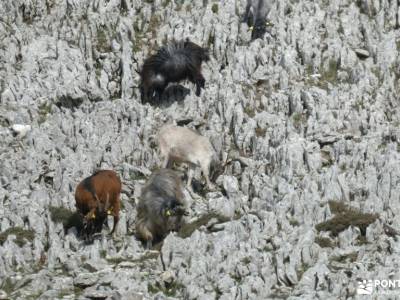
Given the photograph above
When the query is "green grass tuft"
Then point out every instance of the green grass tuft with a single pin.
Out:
(338, 207)
(22, 235)
(103, 44)
(66, 217)
(260, 132)
(350, 257)
(214, 8)
(166, 3)
(324, 242)
(170, 290)
(44, 110)
(299, 119)
(345, 217)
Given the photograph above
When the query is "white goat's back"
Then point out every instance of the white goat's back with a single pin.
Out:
(185, 145)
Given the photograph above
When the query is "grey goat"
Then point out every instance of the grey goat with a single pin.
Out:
(255, 16)
(161, 207)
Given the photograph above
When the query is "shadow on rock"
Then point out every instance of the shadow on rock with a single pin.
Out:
(173, 93)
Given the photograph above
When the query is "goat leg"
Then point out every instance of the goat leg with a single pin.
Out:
(166, 162)
(200, 83)
(143, 232)
(205, 168)
(115, 213)
(116, 219)
(190, 177)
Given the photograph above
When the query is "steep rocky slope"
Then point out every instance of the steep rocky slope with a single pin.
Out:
(309, 208)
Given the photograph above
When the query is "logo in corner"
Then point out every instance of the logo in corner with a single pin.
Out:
(365, 287)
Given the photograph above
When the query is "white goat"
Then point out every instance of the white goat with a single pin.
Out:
(181, 144)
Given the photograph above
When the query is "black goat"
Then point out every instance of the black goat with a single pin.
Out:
(176, 61)
(255, 16)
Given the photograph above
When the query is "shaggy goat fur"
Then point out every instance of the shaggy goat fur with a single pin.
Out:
(161, 207)
(181, 144)
(176, 61)
(95, 197)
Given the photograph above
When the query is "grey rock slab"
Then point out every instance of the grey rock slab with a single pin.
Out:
(86, 279)
(3, 295)
(93, 293)
(362, 53)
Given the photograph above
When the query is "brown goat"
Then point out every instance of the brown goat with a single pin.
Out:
(161, 207)
(95, 197)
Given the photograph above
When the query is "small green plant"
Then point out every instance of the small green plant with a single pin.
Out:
(4, 122)
(338, 207)
(309, 70)
(350, 257)
(250, 111)
(298, 119)
(246, 260)
(345, 217)
(22, 235)
(166, 3)
(340, 29)
(260, 132)
(66, 217)
(136, 175)
(115, 260)
(44, 110)
(324, 242)
(358, 105)
(98, 68)
(102, 41)
(214, 8)
(78, 291)
(64, 292)
(330, 74)
(327, 160)
(361, 240)
(301, 270)
(170, 290)
(210, 41)
(154, 24)
(103, 253)
(8, 286)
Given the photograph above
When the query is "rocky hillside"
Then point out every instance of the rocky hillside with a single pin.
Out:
(311, 113)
